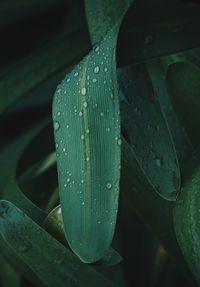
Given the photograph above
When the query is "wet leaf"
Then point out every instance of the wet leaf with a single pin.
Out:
(103, 15)
(87, 135)
(147, 133)
(156, 212)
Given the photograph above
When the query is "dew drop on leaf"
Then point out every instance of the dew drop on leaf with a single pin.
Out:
(85, 104)
(56, 126)
(96, 69)
(83, 91)
(158, 162)
(108, 185)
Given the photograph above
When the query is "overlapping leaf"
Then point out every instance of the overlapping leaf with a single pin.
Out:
(148, 134)
(57, 265)
(158, 72)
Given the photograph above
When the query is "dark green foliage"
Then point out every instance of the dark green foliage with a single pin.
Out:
(118, 186)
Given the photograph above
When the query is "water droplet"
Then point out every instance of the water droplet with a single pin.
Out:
(96, 69)
(158, 162)
(67, 126)
(108, 185)
(58, 113)
(64, 149)
(96, 49)
(58, 91)
(57, 145)
(108, 130)
(75, 74)
(56, 126)
(105, 69)
(94, 80)
(82, 180)
(65, 185)
(83, 91)
(82, 203)
(68, 80)
(87, 158)
(101, 114)
(68, 179)
(80, 114)
(87, 131)
(82, 137)
(119, 141)
(85, 104)
(88, 77)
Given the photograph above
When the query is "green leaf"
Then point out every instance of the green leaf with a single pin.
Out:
(183, 146)
(103, 15)
(187, 222)
(145, 127)
(9, 277)
(156, 212)
(183, 83)
(41, 65)
(87, 134)
(51, 261)
(170, 28)
(8, 186)
(10, 256)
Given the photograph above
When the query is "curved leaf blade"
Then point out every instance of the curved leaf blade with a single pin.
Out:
(183, 146)
(103, 15)
(57, 266)
(183, 83)
(187, 222)
(87, 133)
